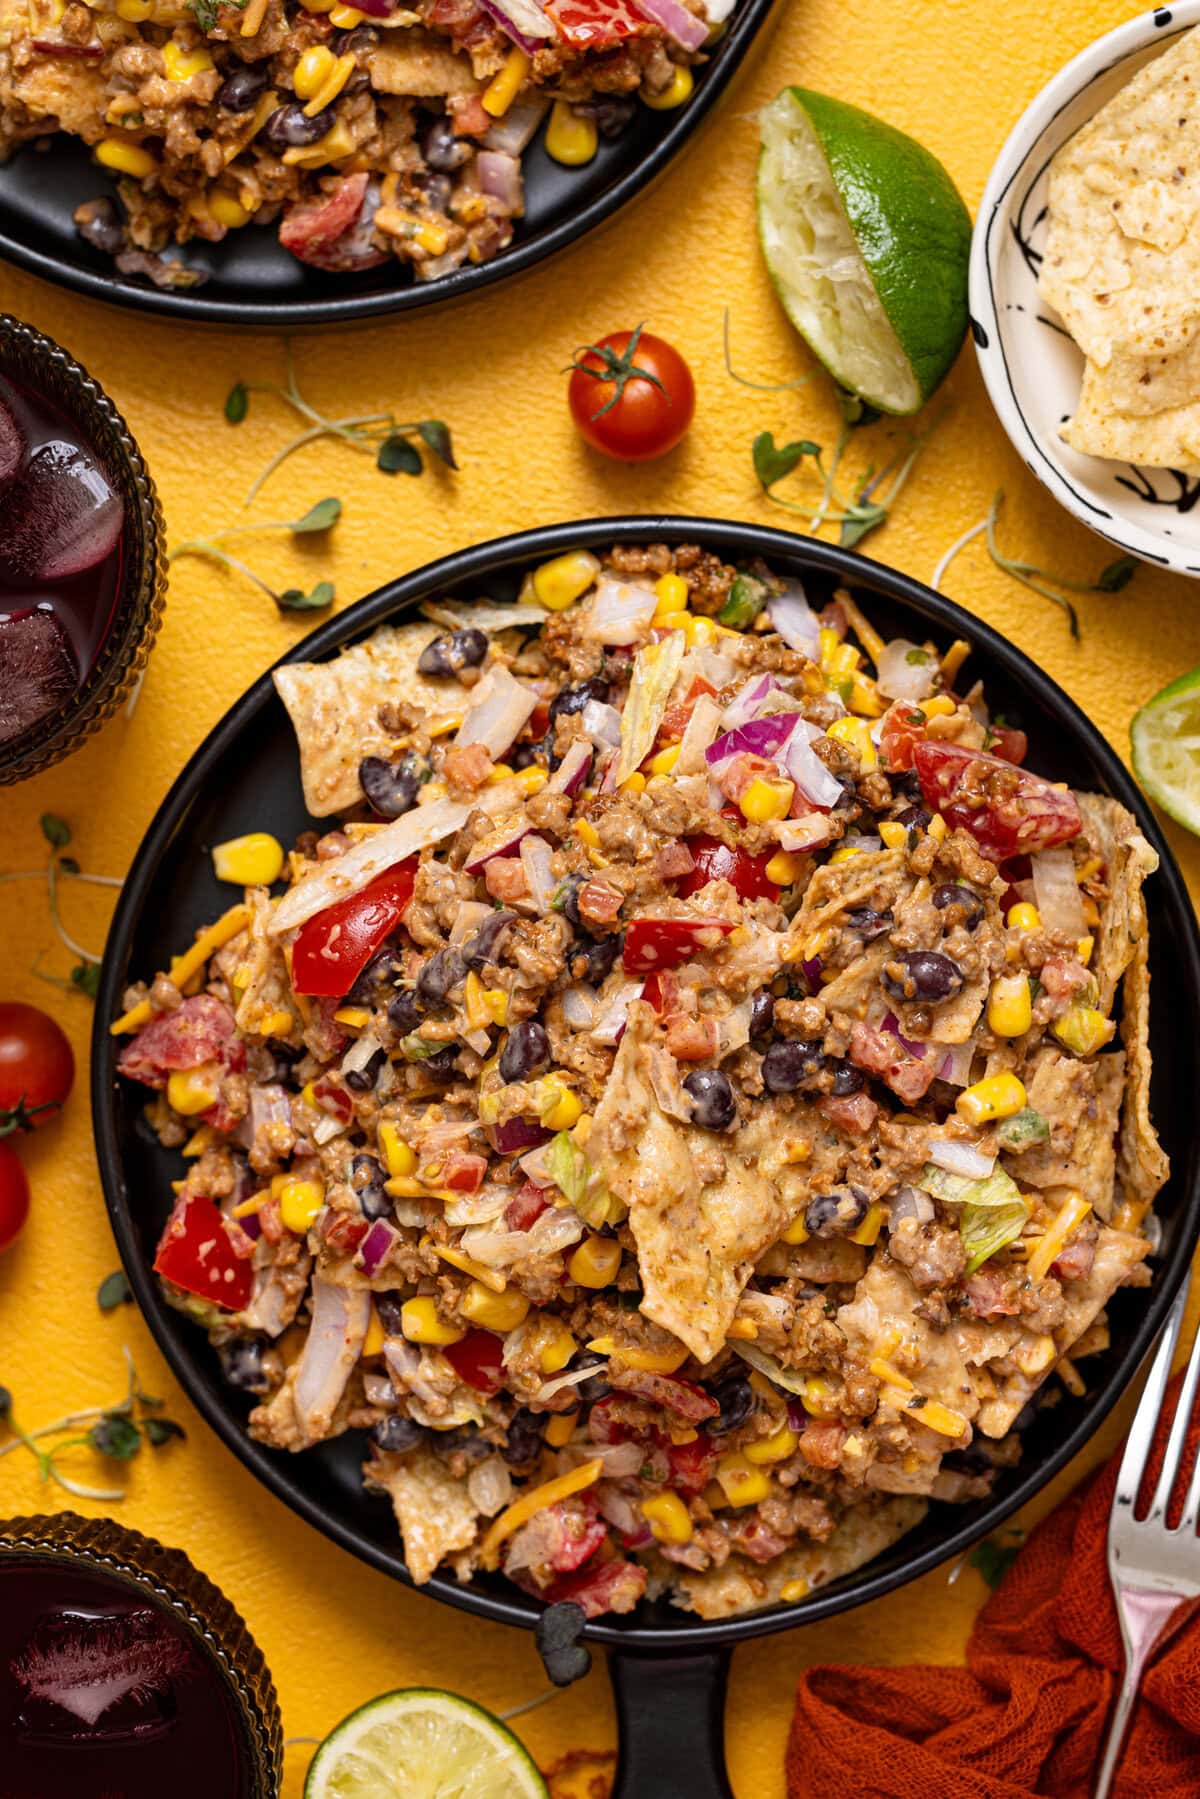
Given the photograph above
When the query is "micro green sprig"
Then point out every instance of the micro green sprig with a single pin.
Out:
(321, 517)
(114, 1431)
(85, 975)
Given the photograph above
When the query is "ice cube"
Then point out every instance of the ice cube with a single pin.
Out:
(90, 1678)
(58, 517)
(37, 670)
(12, 442)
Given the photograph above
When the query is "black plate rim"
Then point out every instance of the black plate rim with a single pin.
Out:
(422, 583)
(525, 254)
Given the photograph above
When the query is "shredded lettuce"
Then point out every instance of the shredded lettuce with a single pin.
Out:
(999, 1189)
(1023, 1129)
(787, 1378)
(654, 672)
(575, 1177)
(993, 1212)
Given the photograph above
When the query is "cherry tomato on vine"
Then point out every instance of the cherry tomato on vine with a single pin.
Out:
(37, 1068)
(14, 1196)
(631, 395)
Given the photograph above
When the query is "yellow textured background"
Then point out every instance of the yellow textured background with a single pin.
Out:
(956, 75)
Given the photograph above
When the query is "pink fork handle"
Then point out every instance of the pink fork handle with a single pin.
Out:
(1145, 1618)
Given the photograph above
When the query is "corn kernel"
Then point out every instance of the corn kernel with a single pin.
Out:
(495, 1000)
(646, 1361)
(714, 1497)
(556, 1351)
(672, 593)
(1084, 948)
(1010, 1007)
(894, 834)
(419, 1322)
(335, 80)
(561, 1429)
(845, 852)
(784, 868)
(765, 798)
(1035, 1357)
(1083, 1030)
(299, 1203)
(997, 1096)
(702, 633)
(532, 779)
(595, 1262)
(127, 159)
(855, 733)
(193, 1090)
(1023, 917)
(373, 1341)
(312, 71)
(940, 706)
(347, 17)
(740, 1481)
(478, 1015)
(181, 64)
(565, 1112)
(397, 1156)
(818, 1397)
(227, 210)
(664, 762)
(503, 89)
(938, 829)
(588, 833)
(868, 1231)
(796, 1232)
(134, 12)
(494, 1311)
(792, 1590)
(636, 783)
(571, 137)
(668, 1518)
(775, 1448)
(252, 861)
(677, 91)
(558, 584)
(674, 621)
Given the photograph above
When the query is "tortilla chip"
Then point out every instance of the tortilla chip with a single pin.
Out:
(1113, 833)
(420, 65)
(1142, 1166)
(434, 1511)
(698, 1237)
(1168, 439)
(745, 1586)
(1081, 1101)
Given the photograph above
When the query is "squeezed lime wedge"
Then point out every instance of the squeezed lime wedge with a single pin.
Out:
(422, 1743)
(1165, 736)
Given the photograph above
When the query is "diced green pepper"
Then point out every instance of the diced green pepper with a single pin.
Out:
(1023, 1129)
(747, 597)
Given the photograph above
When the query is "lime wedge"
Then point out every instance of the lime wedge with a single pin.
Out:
(1166, 749)
(867, 240)
(420, 1743)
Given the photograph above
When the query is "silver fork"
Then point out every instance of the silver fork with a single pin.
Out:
(1155, 1571)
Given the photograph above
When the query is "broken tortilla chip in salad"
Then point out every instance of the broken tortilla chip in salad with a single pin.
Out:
(685, 1100)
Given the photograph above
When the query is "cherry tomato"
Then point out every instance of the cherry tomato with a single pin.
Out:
(631, 395)
(332, 949)
(196, 1252)
(596, 24)
(477, 1359)
(692, 1463)
(37, 1068)
(717, 861)
(14, 1196)
(902, 729)
(1008, 811)
(1007, 742)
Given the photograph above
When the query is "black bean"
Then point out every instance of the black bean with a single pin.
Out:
(355, 39)
(439, 976)
(925, 975)
(906, 786)
(396, 1433)
(404, 1014)
(736, 1398)
(442, 1065)
(524, 1442)
(442, 149)
(596, 1387)
(914, 818)
(526, 1053)
(867, 923)
(239, 92)
(288, 129)
(967, 906)
(362, 1080)
(465, 1442)
(600, 956)
(98, 223)
(613, 114)
(377, 980)
(389, 1307)
(527, 754)
(284, 1057)
(367, 1175)
(789, 1064)
(437, 189)
(456, 650)
(242, 1364)
(847, 1079)
(713, 1106)
(762, 1012)
(392, 788)
(849, 793)
(574, 699)
(566, 900)
(833, 1214)
(482, 948)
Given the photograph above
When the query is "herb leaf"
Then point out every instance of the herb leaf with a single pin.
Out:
(207, 12)
(114, 1291)
(772, 462)
(1117, 575)
(161, 1430)
(237, 400)
(855, 529)
(437, 435)
(993, 1558)
(398, 457)
(294, 599)
(55, 830)
(557, 1636)
(86, 976)
(5, 1402)
(320, 517)
(115, 1436)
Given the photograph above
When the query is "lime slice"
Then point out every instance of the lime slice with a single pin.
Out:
(867, 240)
(420, 1743)
(1166, 749)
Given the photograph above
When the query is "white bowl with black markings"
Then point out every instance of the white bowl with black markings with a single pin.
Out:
(1031, 366)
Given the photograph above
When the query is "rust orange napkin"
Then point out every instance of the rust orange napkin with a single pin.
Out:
(1025, 1718)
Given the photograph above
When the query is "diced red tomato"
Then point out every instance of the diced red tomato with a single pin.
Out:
(614, 1586)
(1009, 744)
(684, 1399)
(332, 232)
(853, 1113)
(821, 1443)
(660, 989)
(199, 1253)
(879, 1052)
(736, 775)
(200, 1030)
(676, 719)
(333, 1098)
(332, 949)
(604, 1428)
(344, 1233)
(463, 1172)
(1007, 810)
(652, 943)
(477, 1360)
(902, 729)
(583, 1532)
(692, 1464)
(692, 1039)
(596, 24)
(523, 1212)
(717, 861)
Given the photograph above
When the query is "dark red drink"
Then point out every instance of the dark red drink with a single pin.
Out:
(62, 526)
(106, 1692)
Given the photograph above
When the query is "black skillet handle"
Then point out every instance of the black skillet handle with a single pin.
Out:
(671, 1717)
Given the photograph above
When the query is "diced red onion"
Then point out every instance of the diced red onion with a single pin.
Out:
(467, 920)
(960, 1158)
(252, 1225)
(711, 665)
(503, 710)
(522, 20)
(602, 724)
(807, 770)
(956, 1065)
(516, 1134)
(571, 772)
(678, 23)
(535, 860)
(579, 1007)
(807, 833)
(745, 703)
(378, 1389)
(620, 1459)
(609, 1021)
(477, 1039)
(337, 1326)
(863, 846)
(376, 1246)
(504, 842)
(513, 133)
(501, 179)
(810, 968)
(902, 679)
(892, 1024)
(910, 1202)
(620, 613)
(795, 621)
(765, 737)
(1056, 891)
